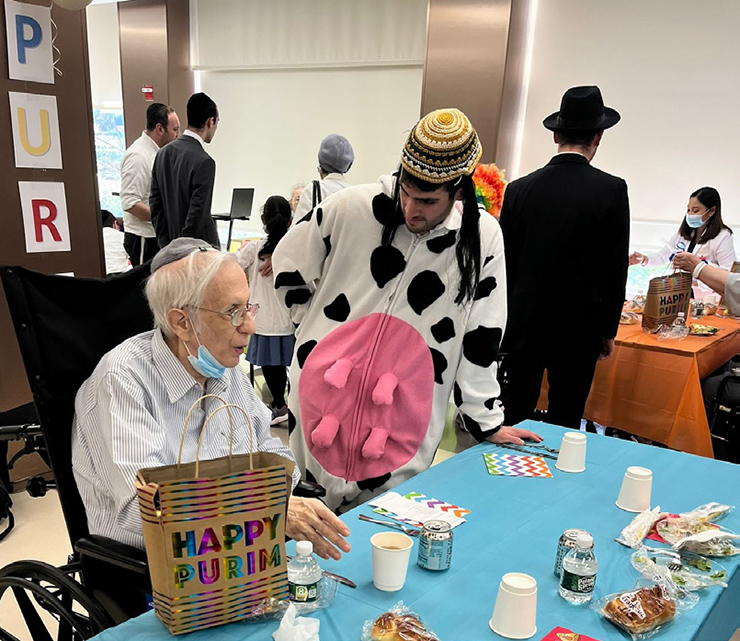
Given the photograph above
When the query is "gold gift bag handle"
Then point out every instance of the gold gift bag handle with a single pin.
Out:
(187, 421)
(227, 407)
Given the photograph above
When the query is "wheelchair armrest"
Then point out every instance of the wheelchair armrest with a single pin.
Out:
(113, 552)
(309, 490)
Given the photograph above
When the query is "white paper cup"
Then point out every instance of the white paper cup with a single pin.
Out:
(390, 553)
(634, 495)
(572, 457)
(515, 612)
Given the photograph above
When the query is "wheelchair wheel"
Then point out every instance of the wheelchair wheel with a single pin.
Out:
(51, 602)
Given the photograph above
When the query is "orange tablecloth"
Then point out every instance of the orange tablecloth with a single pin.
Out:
(652, 389)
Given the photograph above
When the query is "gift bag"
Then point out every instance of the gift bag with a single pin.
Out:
(214, 532)
(666, 297)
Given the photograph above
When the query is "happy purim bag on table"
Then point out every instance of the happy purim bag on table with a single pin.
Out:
(666, 297)
(214, 533)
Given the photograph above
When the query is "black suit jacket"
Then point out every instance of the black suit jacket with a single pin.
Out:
(182, 190)
(566, 238)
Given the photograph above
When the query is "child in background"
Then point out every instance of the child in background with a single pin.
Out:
(271, 347)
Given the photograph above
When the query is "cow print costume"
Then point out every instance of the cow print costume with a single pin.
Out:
(380, 342)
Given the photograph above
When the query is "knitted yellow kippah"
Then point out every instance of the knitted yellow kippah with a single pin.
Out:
(441, 147)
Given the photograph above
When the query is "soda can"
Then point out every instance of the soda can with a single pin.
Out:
(566, 543)
(435, 546)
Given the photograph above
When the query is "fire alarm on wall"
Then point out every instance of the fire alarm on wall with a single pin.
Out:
(148, 92)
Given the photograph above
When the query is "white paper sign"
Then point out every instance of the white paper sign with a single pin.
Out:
(28, 34)
(407, 509)
(45, 221)
(35, 131)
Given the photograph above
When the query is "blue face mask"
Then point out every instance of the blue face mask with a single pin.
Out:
(205, 364)
(694, 220)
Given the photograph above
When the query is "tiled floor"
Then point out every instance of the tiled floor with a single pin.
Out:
(39, 534)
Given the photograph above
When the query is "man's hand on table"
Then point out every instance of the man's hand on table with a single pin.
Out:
(514, 435)
(311, 520)
(607, 347)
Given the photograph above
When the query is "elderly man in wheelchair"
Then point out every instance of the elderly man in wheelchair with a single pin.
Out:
(130, 413)
(112, 395)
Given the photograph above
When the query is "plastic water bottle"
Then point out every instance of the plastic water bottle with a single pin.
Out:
(578, 576)
(304, 574)
(679, 329)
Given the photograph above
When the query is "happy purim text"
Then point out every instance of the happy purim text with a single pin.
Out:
(211, 569)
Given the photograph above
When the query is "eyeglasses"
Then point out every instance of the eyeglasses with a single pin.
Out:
(239, 315)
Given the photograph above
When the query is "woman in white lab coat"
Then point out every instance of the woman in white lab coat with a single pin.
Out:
(701, 233)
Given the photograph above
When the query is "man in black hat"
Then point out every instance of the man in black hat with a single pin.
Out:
(566, 234)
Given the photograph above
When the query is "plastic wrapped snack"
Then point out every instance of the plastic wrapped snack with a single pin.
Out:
(398, 624)
(635, 532)
(640, 612)
(687, 570)
(629, 318)
(710, 543)
(709, 512)
(674, 528)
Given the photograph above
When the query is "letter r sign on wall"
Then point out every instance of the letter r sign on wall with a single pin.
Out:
(45, 222)
(28, 33)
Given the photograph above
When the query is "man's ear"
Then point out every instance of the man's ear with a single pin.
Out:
(458, 194)
(180, 323)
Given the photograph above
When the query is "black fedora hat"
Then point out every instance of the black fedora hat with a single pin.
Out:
(582, 108)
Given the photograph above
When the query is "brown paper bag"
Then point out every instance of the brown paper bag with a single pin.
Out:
(214, 533)
(666, 297)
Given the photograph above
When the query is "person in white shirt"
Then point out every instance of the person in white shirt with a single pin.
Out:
(295, 195)
(130, 413)
(702, 232)
(116, 259)
(162, 126)
(335, 159)
(271, 346)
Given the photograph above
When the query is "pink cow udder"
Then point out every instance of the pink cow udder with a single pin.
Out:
(365, 395)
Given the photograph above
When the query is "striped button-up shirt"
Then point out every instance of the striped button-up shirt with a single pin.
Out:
(130, 414)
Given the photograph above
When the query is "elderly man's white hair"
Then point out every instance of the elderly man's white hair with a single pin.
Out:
(183, 283)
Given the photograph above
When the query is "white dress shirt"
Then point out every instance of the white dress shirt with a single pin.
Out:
(329, 185)
(130, 414)
(136, 183)
(116, 258)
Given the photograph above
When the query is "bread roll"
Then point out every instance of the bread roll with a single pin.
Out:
(385, 627)
(639, 611)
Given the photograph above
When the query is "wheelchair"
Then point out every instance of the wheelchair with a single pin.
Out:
(64, 326)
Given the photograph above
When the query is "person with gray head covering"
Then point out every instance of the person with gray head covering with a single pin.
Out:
(335, 159)
(130, 413)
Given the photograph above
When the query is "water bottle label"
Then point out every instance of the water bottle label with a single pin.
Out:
(577, 582)
(304, 593)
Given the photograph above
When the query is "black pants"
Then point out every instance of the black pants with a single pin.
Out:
(570, 369)
(276, 377)
(139, 249)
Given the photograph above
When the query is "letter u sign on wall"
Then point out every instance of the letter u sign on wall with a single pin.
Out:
(28, 30)
(35, 131)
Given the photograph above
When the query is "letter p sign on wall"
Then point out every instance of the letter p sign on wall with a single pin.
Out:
(28, 32)
(45, 221)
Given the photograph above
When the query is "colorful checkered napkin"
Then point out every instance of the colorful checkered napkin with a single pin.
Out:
(516, 465)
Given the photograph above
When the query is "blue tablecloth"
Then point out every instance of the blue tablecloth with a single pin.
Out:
(514, 526)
